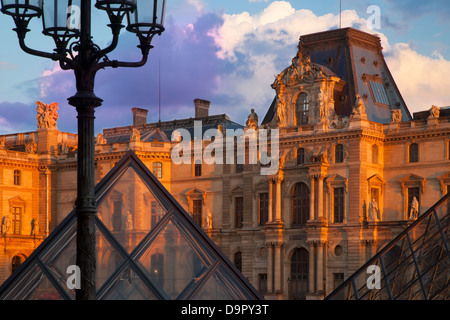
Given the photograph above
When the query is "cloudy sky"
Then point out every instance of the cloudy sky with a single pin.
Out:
(225, 51)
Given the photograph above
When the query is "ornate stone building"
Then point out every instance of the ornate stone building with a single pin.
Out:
(352, 159)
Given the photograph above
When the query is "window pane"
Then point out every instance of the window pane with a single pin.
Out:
(263, 208)
(239, 211)
(339, 205)
(300, 204)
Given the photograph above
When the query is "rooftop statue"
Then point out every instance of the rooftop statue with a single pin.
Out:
(47, 115)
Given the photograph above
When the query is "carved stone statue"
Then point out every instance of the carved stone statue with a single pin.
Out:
(135, 135)
(281, 105)
(359, 109)
(252, 119)
(6, 224)
(373, 211)
(129, 223)
(434, 112)
(2, 142)
(47, 115)
(396, 115)
(414, 213)
(207, 223)
(34, 226)
(100, 139)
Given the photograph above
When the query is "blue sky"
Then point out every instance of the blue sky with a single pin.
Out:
(227, 52)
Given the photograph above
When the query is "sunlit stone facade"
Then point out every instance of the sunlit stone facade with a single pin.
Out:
(351, 160)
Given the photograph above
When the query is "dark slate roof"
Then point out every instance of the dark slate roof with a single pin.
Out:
(355, 57)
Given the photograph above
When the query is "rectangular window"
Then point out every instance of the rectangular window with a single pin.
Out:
(198, 170)
(263, 208)
(338, 279)
(238, 211)
(262, 283)
(197, 211)
(17, 177)
(156, 212)
(379, 93)
(157, 169)
(339, 205)
(117, 215)
(17, 213)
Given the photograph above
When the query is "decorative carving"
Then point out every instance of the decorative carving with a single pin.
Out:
(252, 119)
(135, 135)
(359, 109)
(6, 224)
(47, 115)
(34, 226)
(100, 139)
(434, 112)
(396, 115)
(414, 213)
(2, 142)
(208, 220)
(373, 213)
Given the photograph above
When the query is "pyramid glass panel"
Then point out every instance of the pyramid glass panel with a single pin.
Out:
(147, 247)
(128, 286)
(415, 265)
(130, 209)
(171, 262)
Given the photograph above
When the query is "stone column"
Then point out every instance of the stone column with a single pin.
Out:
(270, 275)
(270, 200)
(278, 199)
(311, 268)
(312, 200)
(320, 198)
(319, 269)
(277, 266)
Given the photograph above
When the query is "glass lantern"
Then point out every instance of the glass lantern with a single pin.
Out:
(22, 9)
(148, 18)
(62, 19)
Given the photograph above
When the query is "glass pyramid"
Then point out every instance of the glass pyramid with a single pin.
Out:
(148, 248)
(414, 266)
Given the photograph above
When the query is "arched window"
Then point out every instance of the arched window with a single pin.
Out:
(339, 153)
(300, 204)
(16, 262)
(374, 153)
(238, 260)
(300, 156)
(17, 176)
(302, 109)
(413, 152)
(157, 169)
(298, 279)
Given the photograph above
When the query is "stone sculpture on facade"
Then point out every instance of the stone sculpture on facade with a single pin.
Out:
(373, 211)
(135, 135)
(396, 115)
(434, 112)
(47, 115)
(100, 139)
(34, 226)
(414, 212)
(359, 110)
(252, 119)
(6, 224)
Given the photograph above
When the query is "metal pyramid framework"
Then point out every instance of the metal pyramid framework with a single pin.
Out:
(414, 266)
(148, 248)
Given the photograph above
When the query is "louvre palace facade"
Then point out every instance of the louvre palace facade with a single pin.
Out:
(354, 169)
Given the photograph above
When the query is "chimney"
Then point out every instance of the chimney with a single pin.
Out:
(139, 117)
(201, 108)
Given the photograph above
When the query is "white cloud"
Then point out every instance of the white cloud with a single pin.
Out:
(422, 80)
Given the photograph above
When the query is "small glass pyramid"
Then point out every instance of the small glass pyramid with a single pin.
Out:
(148, 248)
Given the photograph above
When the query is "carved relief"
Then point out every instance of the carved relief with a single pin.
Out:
(396, 115)
(47, 115)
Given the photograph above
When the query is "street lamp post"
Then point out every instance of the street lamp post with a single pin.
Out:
(68, 22)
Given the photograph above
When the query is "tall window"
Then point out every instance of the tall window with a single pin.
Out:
(302, 109)
(16, 262)
(238, 260)
(299, 274)
(198, 169)
(338, 279)
(16, 217)
(263, 208)
(300, 156)
(339, 153)
(157, 268)
(238, 211)
(300, 204)
(117, 215)
(413, 152)
(157, 169)
(17, 176)
(262, 283)
(197, 211)
(339, 205)
(374, 153)
(156, 213)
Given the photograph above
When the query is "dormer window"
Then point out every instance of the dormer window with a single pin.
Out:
(379, 93)
(302, 109)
